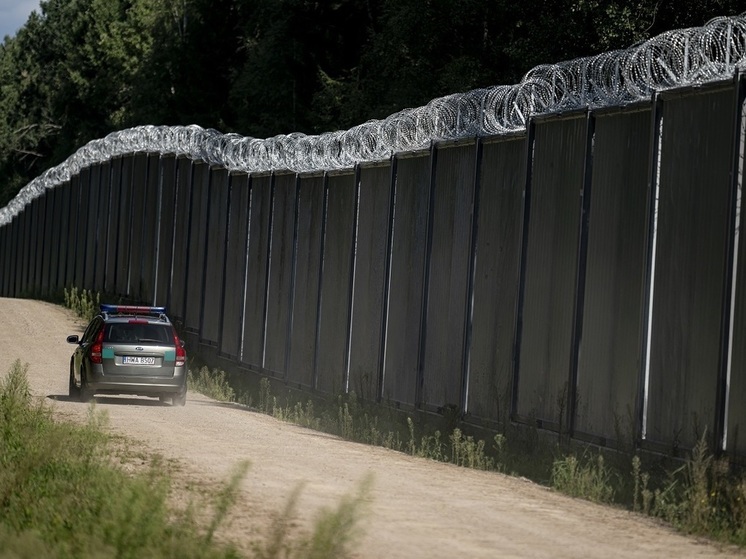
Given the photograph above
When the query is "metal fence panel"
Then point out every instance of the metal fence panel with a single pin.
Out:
(305, 309)
(257, 265)
(280, 274)
(166, 218)
(115, 215)
(692, 236)
(336, 284)
(369, 288)
(91, 194)
(448, 277)
(139, 185)
(502, 178)
(124, 237)
(404, 313)
(38, 241)
(217, 230)
(558, 171)
(15, 227)
(182, 217)
(234, 283)
(76, 219)
(51, 241)
(198, 226)
(610, 349)
(151, 215)
(4, 259)
(86, 215)
(103, 235)
(736, 395)
(64, 195)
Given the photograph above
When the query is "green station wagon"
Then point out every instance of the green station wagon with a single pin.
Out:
(129, 350)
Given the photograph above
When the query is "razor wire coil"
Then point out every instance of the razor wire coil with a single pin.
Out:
(678, 58)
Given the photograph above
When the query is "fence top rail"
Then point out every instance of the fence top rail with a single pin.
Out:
(678, 58)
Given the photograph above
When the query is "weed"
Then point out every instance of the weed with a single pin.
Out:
(583, 478)
(83, 303)
(211, 383)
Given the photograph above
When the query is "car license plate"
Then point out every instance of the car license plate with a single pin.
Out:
(129, 360)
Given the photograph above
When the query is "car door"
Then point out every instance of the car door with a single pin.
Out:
(81, 353)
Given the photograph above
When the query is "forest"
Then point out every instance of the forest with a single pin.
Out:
(80, 69)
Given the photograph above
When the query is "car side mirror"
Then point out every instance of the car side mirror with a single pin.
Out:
(73, 340)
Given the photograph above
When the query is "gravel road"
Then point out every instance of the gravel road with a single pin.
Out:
(418, 508)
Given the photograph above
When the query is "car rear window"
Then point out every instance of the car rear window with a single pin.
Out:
(138, 333)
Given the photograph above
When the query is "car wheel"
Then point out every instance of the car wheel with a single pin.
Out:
(86, 394)
(179, 399)
(73, 390)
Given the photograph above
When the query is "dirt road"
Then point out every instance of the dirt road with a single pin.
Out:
(418, 508)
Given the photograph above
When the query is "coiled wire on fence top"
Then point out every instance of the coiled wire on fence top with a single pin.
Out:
(673, 59)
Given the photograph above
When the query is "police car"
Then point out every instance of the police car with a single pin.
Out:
(129, 350)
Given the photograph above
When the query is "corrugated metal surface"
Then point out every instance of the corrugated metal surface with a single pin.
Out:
(306, 285)
(690, 265)
(124, 245)
(447, 289)
(217, 229)
(90, 197)
(404, 312)
(73, 231)
(558, 170)
(182, 217)
(196, 240)
(368, 300)
(102, 226)
(610, 356)
(81, 227)
(139, 196)
(115, 212)
(14, 264)
(234, 283)
(51, 240)
(336, 283)
(150, 231)
(4, 259)
(52, 263)
(736, 420)
(37, 244)
(166, 218)
(252, 350)
(280, 274)
(502, 178)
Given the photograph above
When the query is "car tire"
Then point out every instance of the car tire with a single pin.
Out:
(179, 399)
(73, 390)
(85, 394)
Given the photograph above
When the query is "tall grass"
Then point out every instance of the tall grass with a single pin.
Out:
(62, 495)
(83, 303)
(704, 495)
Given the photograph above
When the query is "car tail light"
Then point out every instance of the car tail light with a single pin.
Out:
(97, 347)
(180, 353)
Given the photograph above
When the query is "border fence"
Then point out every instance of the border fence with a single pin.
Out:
(581, 272)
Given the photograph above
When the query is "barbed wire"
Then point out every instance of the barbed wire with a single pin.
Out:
(679, 58)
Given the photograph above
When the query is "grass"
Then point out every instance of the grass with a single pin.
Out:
(701, 495)
(83, 303)
(58, 482)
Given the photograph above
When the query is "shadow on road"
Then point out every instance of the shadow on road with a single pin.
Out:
(114, 400)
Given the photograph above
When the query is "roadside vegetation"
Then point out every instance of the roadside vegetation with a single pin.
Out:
(702, 494)
(56, 486)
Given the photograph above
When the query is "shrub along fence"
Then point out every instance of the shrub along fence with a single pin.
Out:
(583, 276)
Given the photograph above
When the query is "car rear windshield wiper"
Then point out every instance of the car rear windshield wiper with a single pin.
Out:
(151, 340)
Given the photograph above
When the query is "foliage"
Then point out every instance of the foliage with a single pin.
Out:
(83, 303)
(211, 383)
(56, 487)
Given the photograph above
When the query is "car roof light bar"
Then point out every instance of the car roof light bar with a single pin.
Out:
(132, 309)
